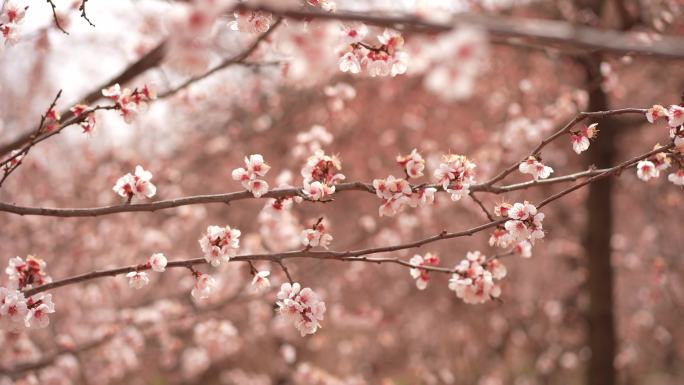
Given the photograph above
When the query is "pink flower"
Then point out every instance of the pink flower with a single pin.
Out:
(354, 33)
(676, 116)
(350, 63)
(158, 262)
(137, 279)
(260, 281)
(535, 168)
(647, 170)
(413, 164)
(251, 21)
(474, 278)
(204, 285)
(316, 236)
(138, 185)
(456, 173)
(302, 307)
(422, 276)
(656, 112)
(40, 306)
(677, 177)
(255, 167)
(219, 244)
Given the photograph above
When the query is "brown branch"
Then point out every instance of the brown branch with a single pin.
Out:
(55, 17)
(563, 130)
(549, 32)
(82, 8)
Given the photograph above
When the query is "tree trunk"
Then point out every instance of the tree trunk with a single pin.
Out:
(596, 240)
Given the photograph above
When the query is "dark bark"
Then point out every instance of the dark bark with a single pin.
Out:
(596, 238)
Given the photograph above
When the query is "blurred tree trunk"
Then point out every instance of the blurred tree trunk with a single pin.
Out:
(596, 238)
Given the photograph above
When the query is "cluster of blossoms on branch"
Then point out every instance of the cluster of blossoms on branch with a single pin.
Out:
(456, 173)
(139, 279)
(422, 276)
(320, 175)
(136, 185)
(388, 59)
(474, 280)
(397, 193)
(535, 167)
(317, 235)
(255, 167)
(523, 227)
(650, 168)
(580, 139)
(11, 17)
(302, 307)
(17, 311)
(128, 102)
(220, 244)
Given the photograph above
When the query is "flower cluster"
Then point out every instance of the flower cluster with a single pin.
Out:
(320, 175)
(339, 94)
(88, 122)
(204, 285)
(316, 236)
(535, 167)
(129, 102)
(524, 227)
(26, 274)
(219, 244)
(475, 276)
(301, 306)
(413, 164)
(651, 167)
(251, 21)
(422, 276)
(396, 193)
(456, 174)
(580, 139)
(138, 185)
(387, 59)
(255, 168)
(11, 17)
(674, 115)
(139, 279)
(17, 311)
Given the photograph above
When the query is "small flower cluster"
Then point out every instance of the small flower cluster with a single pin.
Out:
(255, 168)
(396, 193)
(129, 102)
(339, 94)
(325, 5)
(17, 311)
(320, 175)
(52, 118)
(580, 139)
(674, 115)
(475, 276)
(413, 164)
(251, 21)
(456, 174)
(204, 285)
(422, 276)
(138, 185)
(524, 227)
(311, 141)
(26, 274)
(316, 236)
(301, 306)
(11, 17)
(139, 279)
(535, 167)
(650, 168)
(88, 122)
(388, 59)
(219, 244)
